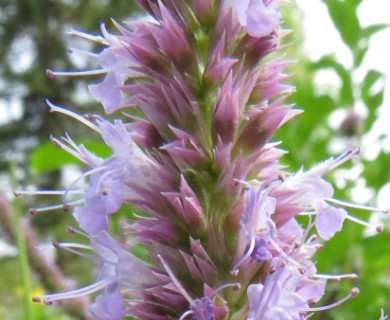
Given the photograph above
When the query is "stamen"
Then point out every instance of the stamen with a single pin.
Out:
(175, 281)
(344, 157)
(59, 144)
(77, 231)
(69, 246)
(235, 285)
(264, 300)
(53, 74)
(234, 271)
(64, 207)
(283, 254)
(48, 299)
(98, 39)
(45, 192)
(351, 276)
(54, 108)
(354, 205)
(354, 292)
(70, 141)
(378, 228)
(186, 314)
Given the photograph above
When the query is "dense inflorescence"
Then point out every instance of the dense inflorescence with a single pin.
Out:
(197, 91)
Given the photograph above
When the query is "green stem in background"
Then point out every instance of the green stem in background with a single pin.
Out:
(22, 250)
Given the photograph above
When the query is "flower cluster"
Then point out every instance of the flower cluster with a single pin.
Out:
(197, 99)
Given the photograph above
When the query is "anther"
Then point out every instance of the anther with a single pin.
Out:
(70, 229)
(50, 74)
(66, 207)
(55, 244)
(234, 272)
(236, 286)
(36, 299)
(33, 211)
(354, 292)
(91, 117)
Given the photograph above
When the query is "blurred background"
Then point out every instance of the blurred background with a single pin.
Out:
(341, 49)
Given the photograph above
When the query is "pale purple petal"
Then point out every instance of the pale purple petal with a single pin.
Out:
(329, 220)
(312, 290)
(241, 6)
(108, 92)
(89, 220)
(103, 193)
(109, 305)
(258, 19)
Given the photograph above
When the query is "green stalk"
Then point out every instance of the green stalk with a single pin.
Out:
(22, 250)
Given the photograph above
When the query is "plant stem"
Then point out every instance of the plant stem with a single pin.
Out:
(21, 244)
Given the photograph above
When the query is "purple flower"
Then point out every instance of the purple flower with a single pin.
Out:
(309, 192)
(277, 298)
(257, 226)
(117, 269)
(192, 155)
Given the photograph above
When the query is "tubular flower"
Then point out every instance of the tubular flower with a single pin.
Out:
(191, 153)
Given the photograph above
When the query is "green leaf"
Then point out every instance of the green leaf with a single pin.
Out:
(344, 16)
(372, 29)
(363, 44)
